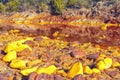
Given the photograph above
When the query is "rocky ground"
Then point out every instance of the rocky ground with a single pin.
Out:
(76, 45)
(28, 57)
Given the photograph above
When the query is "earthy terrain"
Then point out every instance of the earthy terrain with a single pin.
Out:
(76, 45)
(76, 27)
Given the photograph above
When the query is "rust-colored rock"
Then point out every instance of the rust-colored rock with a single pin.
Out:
(32, 76)
(77, 53)
(93, 56)
(58, 77)
(44, 77)
(38, 38)
(78, 77)
(112, 73)
(35, 76)
(30, 43)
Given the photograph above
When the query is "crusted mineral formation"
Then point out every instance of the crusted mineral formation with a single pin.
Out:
(70, 28)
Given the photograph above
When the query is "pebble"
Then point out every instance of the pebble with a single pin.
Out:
(77, 53)
(32, 76)
(30, 43)
(93, 56)
(112, 73)
(78, 77)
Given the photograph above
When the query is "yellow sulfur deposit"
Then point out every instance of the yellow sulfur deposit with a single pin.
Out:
(76, 69)
(26, 72)
(104, 64)
(48, 70)
(51, 69)
(22, 47)
(108, 62)
(16, 63)
(41, 70)
(116, 64)
(10, 47)
(16, 46)
(104, 26)
(100, 65)
(87, 70)
(10, 56)
(14, 31)
(62, 72)
(95, 70)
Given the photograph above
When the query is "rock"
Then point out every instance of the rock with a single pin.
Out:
(28, 71)
(10, 56)
(76, 69)
(44, 77)
(39, 38)
(30, 43)
(47, 70)
(111, 72)
(78, 77)
(58, 77)
(77, 53)
(17, 63)
(104, 64)
(32, 76)
(87, 70)
(93, 56)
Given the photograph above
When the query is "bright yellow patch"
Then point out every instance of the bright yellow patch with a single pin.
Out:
(76, 69)
(100, 65)
(104, 64)
(116, 64)
(10, 56)
(95, 70)
(17, 46)
(47, 70)
(87, 70)
(108, 62)
(16, 63)
(26, 72)
(62, 72)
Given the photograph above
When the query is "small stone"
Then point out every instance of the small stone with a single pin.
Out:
(30, 43)
(87, 70)
(17, 63)
(58, 77)
(39, 38)
(108, 62)
(77, 53)
(28, 71)
(32, 76)
(76, 69)
(93, 56)
(112, 73)
(78, 77)
(104, 64)
(10, 56)
(47, 70)
(44, 77)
